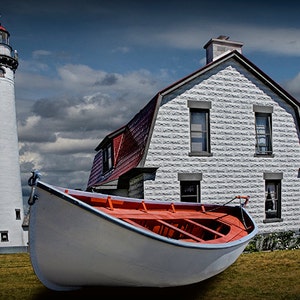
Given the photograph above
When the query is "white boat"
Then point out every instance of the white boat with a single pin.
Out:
(79, 239)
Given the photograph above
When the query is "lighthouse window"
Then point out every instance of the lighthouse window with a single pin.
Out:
(3, 38)
(4, 236)
(2, 72)
(18, 214)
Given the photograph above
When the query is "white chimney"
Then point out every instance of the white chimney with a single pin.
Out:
(220, 46)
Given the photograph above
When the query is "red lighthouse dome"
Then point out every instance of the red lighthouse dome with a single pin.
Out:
(2, 28)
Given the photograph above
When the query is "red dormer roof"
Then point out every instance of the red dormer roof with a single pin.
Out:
(129, 143)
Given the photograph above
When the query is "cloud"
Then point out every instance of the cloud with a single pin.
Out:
(58, 133)
(33, 129)
(34, 85)
(276, 40)
(187, 36)
(294, 86)
(121, 49)
(68, 146)
(36, 54)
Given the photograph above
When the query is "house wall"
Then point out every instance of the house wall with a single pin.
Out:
(232, 169)
(136, 187)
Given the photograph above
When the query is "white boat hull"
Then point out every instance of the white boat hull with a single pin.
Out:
(73, 245)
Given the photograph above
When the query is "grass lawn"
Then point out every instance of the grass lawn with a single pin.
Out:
(258, 275)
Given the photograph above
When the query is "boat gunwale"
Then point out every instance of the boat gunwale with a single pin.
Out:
(61, 193)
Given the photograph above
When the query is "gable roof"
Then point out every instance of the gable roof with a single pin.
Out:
(134, 138)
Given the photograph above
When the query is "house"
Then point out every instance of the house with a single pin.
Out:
(227, 129)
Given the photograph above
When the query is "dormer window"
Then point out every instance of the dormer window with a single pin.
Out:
(2, 72)
(107, 157)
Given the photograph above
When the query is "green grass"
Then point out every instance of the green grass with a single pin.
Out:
(258, 275)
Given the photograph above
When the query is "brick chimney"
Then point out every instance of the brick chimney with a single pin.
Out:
(220, 46)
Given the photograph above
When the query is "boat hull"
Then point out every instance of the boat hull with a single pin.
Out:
(73, 245)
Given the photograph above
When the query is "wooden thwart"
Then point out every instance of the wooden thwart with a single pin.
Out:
(180, 231)
(204, 227)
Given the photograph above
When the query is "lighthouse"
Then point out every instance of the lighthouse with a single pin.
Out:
(12, 235)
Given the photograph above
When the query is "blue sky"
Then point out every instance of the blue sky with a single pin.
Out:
(86, 67)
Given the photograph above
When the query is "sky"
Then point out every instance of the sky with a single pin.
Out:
(87, 67)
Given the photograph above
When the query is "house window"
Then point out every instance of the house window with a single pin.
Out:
(199, 131)
(107, 158)
(263, 130)
(199, 127)
(18, 214)
(4, 236)
(272, 197)
(190, 186)
(190, 191)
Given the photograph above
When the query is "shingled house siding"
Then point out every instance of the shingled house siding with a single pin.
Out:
(96, 171)
(233, 168)
(136, 187)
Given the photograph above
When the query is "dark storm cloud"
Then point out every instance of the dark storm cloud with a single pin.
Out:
(34, 131)
(108, 80)
(62, 163)
(47, 108)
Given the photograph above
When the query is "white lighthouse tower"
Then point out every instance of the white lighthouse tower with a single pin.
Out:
(12, 235)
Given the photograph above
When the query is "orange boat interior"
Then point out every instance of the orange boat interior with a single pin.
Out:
(207, 224)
